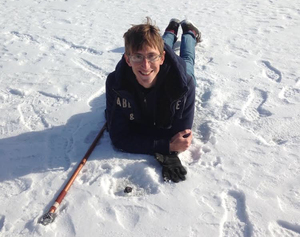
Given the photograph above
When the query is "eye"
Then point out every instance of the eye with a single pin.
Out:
(152, 57)
(138, 57)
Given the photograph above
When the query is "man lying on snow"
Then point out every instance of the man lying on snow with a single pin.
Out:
(150, 96)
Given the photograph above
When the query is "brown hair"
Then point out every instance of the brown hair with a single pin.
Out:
(146, 34)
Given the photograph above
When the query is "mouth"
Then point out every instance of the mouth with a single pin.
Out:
(145, 73)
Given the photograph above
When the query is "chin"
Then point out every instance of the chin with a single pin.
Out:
(146, 83)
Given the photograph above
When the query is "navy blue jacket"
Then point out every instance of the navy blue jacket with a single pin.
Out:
(143, 120)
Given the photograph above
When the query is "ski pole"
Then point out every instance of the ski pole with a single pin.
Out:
(50, 216)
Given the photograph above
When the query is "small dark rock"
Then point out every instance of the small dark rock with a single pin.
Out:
(128, 190)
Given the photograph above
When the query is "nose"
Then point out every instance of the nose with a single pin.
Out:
(145, 63)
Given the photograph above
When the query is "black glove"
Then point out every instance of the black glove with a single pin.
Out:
(172, 167)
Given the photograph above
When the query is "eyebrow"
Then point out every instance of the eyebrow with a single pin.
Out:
(146, 54)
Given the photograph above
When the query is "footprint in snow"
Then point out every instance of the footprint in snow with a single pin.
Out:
(15, 187)
(290, 94)
(235, 221)
(205, 132)
(128, 216)
(283, 228)
(2, 221)
(210, 204)
(271, 72)
(254, 108)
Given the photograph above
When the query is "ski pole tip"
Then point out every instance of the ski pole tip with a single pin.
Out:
(47, 218)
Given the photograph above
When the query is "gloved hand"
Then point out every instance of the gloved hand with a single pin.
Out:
(172, 167)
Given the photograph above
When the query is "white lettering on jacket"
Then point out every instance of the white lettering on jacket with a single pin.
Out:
(178, 105)
(125, 104)
(119, 102)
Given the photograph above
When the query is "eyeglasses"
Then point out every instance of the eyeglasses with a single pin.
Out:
(139, 58)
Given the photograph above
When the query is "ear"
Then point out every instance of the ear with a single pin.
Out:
(127, 60)
(162, 58)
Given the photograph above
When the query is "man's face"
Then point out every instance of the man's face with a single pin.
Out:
(145, 65)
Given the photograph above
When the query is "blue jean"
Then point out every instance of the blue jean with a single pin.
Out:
(187, 49)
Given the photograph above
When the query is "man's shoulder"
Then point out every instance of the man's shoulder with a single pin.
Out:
(172, 55)
(174, 60)
(177, 68)
(111, 79)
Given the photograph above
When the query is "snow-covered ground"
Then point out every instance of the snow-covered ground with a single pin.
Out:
(243, 165)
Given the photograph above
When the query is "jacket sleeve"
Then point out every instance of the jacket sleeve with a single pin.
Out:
(127, 135)
(185, 121)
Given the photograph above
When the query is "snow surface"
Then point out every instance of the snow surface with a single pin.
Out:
(243, 165)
